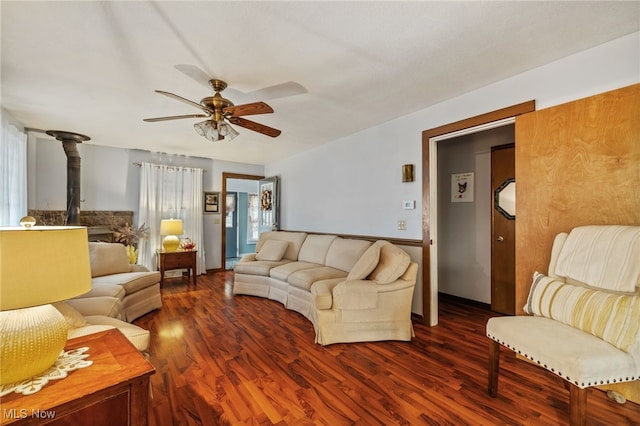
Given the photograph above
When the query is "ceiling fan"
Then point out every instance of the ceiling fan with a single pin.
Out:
(220, 112)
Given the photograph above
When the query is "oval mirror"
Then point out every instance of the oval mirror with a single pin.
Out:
(505, 198)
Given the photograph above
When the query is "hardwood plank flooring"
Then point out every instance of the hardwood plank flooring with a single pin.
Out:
(240, 360)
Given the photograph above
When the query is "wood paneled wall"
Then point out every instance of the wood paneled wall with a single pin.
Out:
(576, 164)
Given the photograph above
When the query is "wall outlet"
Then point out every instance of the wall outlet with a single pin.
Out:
(402, 225)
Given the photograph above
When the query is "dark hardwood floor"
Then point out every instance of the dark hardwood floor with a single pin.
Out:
(225, 360)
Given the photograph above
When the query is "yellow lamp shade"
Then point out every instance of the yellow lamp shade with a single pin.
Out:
(43, 264)
(38, 266)
(171, 227)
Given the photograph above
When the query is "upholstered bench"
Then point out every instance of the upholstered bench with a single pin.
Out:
(585, 314)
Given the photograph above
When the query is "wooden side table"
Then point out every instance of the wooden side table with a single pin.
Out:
(180, 259)
(114, 390)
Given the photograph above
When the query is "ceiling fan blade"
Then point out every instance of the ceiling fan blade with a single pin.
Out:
(256, 127)
(185, 100)
(248, 109)
(174, 117)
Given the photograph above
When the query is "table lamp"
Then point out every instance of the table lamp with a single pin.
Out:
(38, 266)
(171, 228)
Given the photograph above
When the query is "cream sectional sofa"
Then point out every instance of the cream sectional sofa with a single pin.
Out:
(137, 288)
(351, 290)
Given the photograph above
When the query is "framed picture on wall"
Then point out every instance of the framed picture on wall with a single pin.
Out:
(462, 187)
(212, 202)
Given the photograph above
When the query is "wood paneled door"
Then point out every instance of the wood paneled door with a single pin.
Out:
(503, 229)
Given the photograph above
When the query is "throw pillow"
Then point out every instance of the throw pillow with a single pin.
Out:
(366, 264)
(272, 250)
(73, 318)
(609, 316)
(392, 264)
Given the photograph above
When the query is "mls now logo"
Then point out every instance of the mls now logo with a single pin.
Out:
(23, 413)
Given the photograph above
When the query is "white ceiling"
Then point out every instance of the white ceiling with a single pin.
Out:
(92, 67)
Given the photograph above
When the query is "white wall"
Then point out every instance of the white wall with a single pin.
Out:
(110, 180)
(353, 185)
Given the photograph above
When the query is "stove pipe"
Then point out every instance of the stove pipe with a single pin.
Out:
(70, 143)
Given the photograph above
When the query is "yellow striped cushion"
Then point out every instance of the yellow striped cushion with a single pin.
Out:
(615, 318)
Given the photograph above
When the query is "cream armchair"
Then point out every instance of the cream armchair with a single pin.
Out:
(585, 323)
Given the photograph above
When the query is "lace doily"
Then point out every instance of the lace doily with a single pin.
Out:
(71, 360)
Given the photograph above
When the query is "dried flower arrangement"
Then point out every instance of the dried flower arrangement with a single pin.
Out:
(129, 235)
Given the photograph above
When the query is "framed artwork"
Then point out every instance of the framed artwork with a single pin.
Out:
(462, 187)
(212, 202)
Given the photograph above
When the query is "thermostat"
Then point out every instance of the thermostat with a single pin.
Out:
(409, 205)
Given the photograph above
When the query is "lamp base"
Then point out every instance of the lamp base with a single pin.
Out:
(170, 243)
(32, 339)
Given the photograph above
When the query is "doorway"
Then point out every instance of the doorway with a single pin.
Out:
(430, 140)
(239, 191)
(464, 204)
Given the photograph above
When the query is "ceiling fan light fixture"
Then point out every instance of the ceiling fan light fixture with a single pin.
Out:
(208, 130)
(226, 130)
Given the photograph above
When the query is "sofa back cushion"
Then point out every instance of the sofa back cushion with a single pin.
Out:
(366, 264)
(315, 248)
(609, 316)
(295, 240)
(344, 253)
(272, 250)
(602, 256)
(108, 258)
(392, 264)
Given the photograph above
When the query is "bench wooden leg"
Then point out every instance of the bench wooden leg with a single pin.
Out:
(577, 406)
(494, 367)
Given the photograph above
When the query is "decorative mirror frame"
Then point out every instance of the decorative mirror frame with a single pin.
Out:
(496, 198)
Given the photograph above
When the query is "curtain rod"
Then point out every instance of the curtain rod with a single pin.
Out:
(140, 165)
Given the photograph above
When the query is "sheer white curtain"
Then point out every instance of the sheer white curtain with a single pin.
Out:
(13, 174)
(168, 192)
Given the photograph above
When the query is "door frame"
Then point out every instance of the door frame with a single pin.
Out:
(223, 211)
(430, 139)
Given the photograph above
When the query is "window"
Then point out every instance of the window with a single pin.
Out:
(253, 206)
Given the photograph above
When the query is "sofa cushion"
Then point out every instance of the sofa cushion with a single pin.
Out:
(257, 267)
(344, 253)
(136, 335)
(272, 250)
(130, 281)
(355, 294)
(73, 318)
(315, 248)
(392, 264)
(603, 256)
(108, 258)
(322, 292)
(366, 264)
(101, 305)
(282, 272)
(294, 238)
(104, 289)
(305, 278)
(609, 316)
